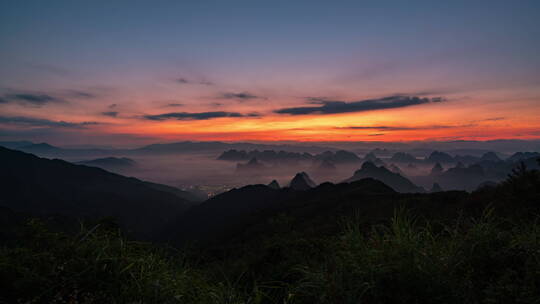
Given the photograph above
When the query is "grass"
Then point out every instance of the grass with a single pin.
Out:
(488, 260)
(408, 260)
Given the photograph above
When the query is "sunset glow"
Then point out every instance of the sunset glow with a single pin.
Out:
(183, 73)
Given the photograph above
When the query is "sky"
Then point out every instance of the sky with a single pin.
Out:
(136, 72)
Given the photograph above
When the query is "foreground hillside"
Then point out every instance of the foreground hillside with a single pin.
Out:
(359, 242)
(43, 186)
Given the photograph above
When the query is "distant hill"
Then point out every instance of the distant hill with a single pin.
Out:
(41, 148)
(402, 157)
(110, 163)
(461, 177)
(394, 180)
(252, 166)
(337, 157)
(194, 146)
(274, 184)
(272, 156)
(372, 158)
(516, 157)
(324, 166)
(15, 144)
(302, 181)
(43, 186)
(440, 157)
(436, 170)
(44, 149)
(490, 156)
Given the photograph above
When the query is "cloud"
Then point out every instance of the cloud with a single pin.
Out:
(32, 99)
(81, 94)
(175, 105)
(112, 106)
(405, 128)
(198, 116)
(206, 82)
(494, 119)
(41, 122)
(336, 107)
(110, 114)
(240, 95)
(183, 80)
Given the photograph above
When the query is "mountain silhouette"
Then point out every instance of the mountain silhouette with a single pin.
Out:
(325, 165)
(490, 156)
(394, 168)
(519, 156)
(110, 163)
(44, 186)
(394, 180)
(302, 181)
(253, 165)
(337, 157)
(274, 184)
(402, 157)
(440, 157)
(436, 170)
(41, 148)
(436, 188)
(233, 155)
(371, 157)
(461, 177)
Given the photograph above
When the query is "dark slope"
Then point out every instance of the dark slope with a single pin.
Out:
(121, 163)
(245, 213)
(225, 214)
(188, 196)
(34, 184)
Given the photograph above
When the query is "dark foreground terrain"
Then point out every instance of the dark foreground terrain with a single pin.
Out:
(358, 242)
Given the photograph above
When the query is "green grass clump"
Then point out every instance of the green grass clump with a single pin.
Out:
(97, 266)
(488, 260)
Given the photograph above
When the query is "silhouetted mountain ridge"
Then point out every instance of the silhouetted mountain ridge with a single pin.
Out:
(394, 180)
(109, 162)
(47, 186)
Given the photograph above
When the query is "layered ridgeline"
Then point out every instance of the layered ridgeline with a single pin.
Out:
(48, 150)
(43, 186)
(271, 156)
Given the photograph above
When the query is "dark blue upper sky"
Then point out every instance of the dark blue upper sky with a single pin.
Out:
(224, 37)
